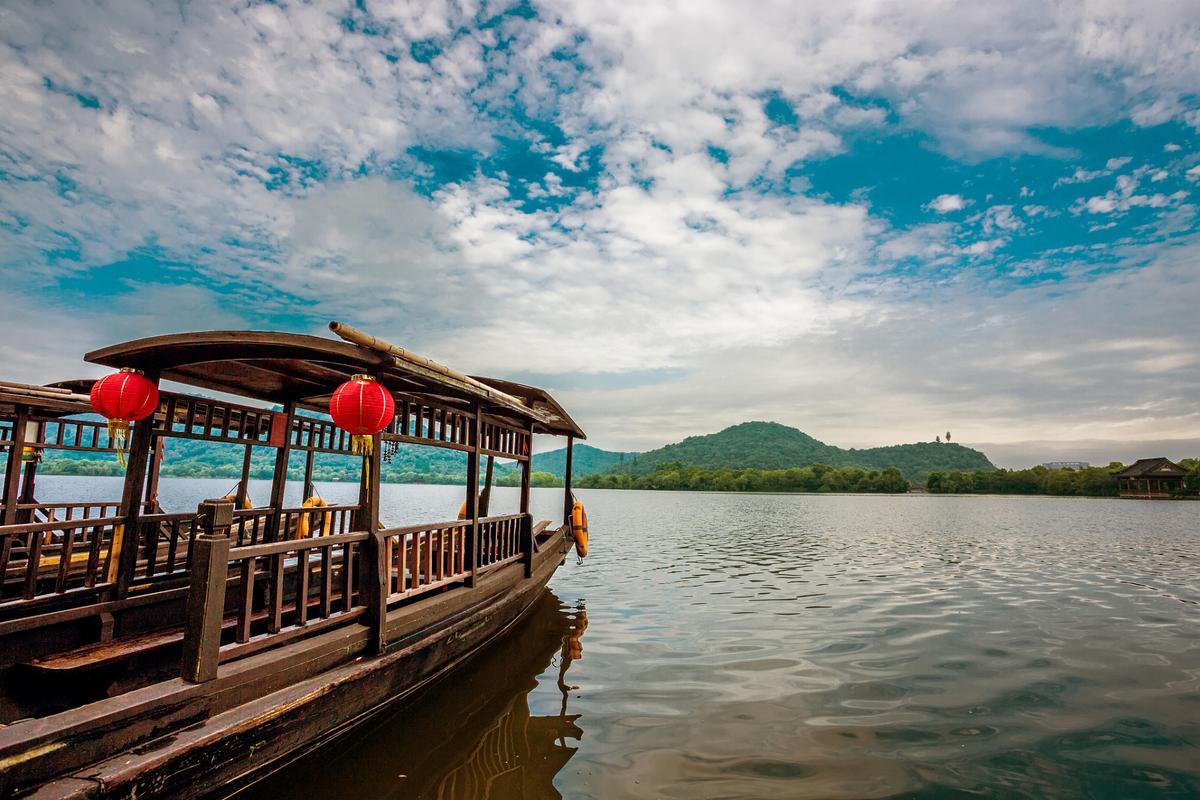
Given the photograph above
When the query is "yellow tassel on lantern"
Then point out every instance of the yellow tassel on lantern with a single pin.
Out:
(118, 433)
(363, 445)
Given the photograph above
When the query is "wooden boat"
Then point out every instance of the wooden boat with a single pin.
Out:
(471, 736)
(146, 653)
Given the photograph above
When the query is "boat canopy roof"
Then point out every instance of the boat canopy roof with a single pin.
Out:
(539, 400)
(287, 367)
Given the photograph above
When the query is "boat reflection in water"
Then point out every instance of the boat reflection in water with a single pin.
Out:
(469, 736)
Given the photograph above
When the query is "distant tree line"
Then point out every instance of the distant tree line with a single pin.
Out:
(1089, 482)
(817, 478)
(1066, 482)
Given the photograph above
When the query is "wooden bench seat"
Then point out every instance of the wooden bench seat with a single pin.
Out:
(101, 654)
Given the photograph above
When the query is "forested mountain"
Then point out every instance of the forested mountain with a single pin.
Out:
(586, 460)
(771, 446)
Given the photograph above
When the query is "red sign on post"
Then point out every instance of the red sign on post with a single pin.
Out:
(279, 432)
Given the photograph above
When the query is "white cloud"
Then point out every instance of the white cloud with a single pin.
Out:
(241, 149)
(1081, 175)
(1001, 219)
(983, 247)
(1124, 197)
(945, 203)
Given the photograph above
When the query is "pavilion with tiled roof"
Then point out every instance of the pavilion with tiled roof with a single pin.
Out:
(1151, 479)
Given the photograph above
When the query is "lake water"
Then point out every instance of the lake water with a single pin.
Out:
(764, 646)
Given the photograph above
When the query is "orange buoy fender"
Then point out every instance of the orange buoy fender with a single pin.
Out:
(233, 499)
(579, 529)
(304, 524)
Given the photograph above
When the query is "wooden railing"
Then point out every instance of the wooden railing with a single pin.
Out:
(166, 544)
(185, 417)
(422, 558)
(503, 441)
(72, 434)
(421, 423)
(42, 560)
(297, 523)
(320, 435)
(251, 525)
(288, 588)
(65, 512)
(500, 540)
(47, 559)
(424, 423)
(56, 512)
(165, 540)
(306, 585)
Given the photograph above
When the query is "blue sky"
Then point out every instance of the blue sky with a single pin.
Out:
(872, 221)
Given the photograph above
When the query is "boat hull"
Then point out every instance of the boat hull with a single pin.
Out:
(229, 749)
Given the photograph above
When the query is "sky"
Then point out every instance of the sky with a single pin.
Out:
(873, 221)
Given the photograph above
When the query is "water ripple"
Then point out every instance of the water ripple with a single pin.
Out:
(830, 647)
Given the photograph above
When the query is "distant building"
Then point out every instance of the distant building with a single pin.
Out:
(1150, 479)
(1075, 465)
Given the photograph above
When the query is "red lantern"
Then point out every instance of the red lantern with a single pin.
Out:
(363, 408)
(124, 397)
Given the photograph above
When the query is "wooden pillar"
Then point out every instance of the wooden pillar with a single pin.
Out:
(485, 496)
(279, 478)
(28, 490)
(472, 512)
(243, 490)
(527, 518)
(568, 498)
(206, 597)
(125, 535)
(308, 490)
(373, 567)
(12, 470)
(157, 449)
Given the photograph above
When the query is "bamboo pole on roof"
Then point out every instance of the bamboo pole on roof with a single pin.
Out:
(407, 358)
(34, 387)
(34, 393)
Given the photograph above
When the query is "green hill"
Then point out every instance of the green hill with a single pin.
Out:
(771, 446)
(586, 460)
